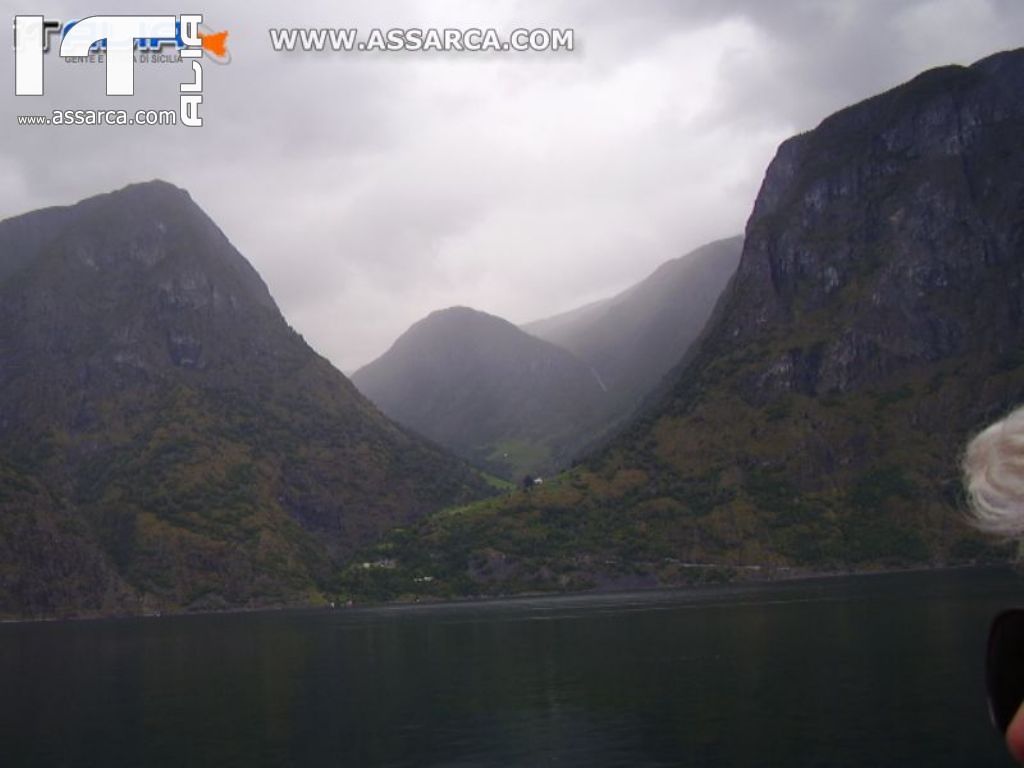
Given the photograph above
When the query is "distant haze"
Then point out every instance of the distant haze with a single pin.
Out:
(370, 189)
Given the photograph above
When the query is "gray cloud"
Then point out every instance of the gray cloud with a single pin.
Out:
(369, 189)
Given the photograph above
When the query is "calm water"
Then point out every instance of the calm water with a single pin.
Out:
(871, 671)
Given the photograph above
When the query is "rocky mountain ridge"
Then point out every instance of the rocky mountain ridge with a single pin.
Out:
(875, 322)
(166, 440)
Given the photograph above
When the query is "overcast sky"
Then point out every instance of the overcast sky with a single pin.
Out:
(371, 188)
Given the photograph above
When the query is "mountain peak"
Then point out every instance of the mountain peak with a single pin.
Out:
(145, 198)
(461, 319)
(459, 313)
(150, 236)
(489, 391)
(152, 187)
(148, 201)
(157, 193)
(199, 453)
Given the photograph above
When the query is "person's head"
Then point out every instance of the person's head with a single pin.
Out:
(994, 480)
(994, 477)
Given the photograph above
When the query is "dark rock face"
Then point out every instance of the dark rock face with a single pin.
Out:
(875, 322)
(162, 424)
(899, 222)
(485, 389)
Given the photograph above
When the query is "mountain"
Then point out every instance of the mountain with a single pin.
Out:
(875, 322)
(166, 439)
(483, 388)
(529, 400)
(633, 339)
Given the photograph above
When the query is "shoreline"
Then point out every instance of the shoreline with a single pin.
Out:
(790, 575)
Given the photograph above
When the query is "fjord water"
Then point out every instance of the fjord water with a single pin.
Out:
(854, 671)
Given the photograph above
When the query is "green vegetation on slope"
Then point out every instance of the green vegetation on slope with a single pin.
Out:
(167, 442)
(873, 325)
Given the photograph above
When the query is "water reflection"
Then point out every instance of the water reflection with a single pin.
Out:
(872, 671)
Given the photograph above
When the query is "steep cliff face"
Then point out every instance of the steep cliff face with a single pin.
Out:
(900, 220)
(875, 322)
(882, 279)
(166, 440)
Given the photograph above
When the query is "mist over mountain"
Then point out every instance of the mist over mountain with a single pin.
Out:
(166, 439)
(875, 322)
(529, 400)
(634, 338)
(482, 387)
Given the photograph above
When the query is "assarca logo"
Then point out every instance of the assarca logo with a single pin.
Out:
(118, 37)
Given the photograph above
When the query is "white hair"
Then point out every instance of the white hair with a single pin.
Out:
(994, 477)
